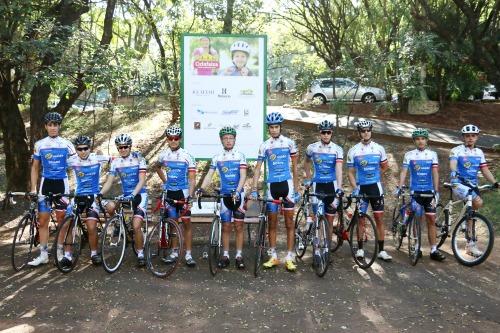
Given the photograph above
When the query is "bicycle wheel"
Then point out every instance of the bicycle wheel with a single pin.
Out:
(260, 246)
(113, 243)
(300, 233)
(159, 247)
(23, 243)
(71, 235)
(363, 236)
(321, 247)
(472, 241)
(398, 230)
(442, 220)
(414, 239)
(338, 232)
(215, 244)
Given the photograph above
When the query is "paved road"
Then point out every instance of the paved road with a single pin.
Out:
(386, 127)
(389, 297)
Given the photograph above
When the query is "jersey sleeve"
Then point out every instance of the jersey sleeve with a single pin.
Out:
(309, 151)
(262, 153)
(112, 167)
(383, 155)
(213, 163)
(406, 160)
(482, 161)
(71, 149)
(243, 161)
(191, 163)
(454, 154)
(350, 158)
(340, 155)
(36, 151)
(293, 147)
(435, 162)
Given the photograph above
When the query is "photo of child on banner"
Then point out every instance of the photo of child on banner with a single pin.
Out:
(205, 58)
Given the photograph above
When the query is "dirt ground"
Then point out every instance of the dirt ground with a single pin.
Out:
(388, 297)
(454, 115)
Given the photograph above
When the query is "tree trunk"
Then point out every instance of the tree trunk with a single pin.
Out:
(17, 155)
(38, 107)
(228, 18)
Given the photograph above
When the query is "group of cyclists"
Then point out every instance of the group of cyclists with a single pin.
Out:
(323, 167)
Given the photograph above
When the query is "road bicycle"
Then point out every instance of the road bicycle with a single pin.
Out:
(315, 233)
(473, 237)
(160, 239)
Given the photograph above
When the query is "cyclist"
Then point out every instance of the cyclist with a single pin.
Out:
(424, 179)
(365, 162)
(86, 167)
(278, 151)
(326, 157)
(466, 161)
(130, 167)
(179, 182)
(232, 168)
(51, 153)
(240, 53)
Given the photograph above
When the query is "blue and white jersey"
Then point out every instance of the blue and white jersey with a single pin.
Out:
(278, 152)
(128, 169)
(420, 163)
(228, 165)
(87, 172)
(53, 154)
(177, 165)
(469, 162)
(366, 159)
(325, 158)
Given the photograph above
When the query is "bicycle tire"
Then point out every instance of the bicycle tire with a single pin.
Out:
(321, 243)
(397, 228)
(113, 244)
(75, 243)
(24, 239)
(338, 232)
(215, 243)
(260, 246)
(485, 243)
(442, 220)
(158, 247)
(414, 239)
(300, 235)
(369, 238)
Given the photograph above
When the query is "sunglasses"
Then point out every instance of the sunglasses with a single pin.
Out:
(82, 148)
(123, 147)
(173, 138)
(365, 131)
(326, 132)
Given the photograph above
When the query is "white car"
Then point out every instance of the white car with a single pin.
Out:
(321, 91)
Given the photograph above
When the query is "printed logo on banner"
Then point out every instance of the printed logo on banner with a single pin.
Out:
(200, 111)
(246, 112)
(203, 92)
(246, 92)
(209, 126)
(223, 93)
(230, 112)
(197, 125)
(246, 125)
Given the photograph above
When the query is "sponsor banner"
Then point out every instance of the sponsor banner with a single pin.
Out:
(223, 84)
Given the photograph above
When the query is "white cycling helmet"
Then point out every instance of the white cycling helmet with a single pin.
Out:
(173, 130)
(240, 46)
(470, 129)
(364, 124)
(123, 139)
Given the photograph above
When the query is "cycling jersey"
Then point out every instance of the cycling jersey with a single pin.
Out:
(324, 157)
(128, 169)
(367, 160)
(177, 165)
(278, 152)
(53, 154)
(469, 162)
(228, 164)
(234, 71)
(87, 172)
(420, 163)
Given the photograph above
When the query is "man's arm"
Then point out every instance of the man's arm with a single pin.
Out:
(160, 173)
(256, 175)
(35, 172)
(435, 178)
(295, 173)
(351, 175)
(192, 181)
(208, 178)
(243, 177)
(307, 167)
(402, 177)
(339, 174)
(140, 184)
(107, 184)
(488, 175)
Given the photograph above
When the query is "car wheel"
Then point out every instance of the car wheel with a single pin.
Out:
(368, 98)
(318, 99)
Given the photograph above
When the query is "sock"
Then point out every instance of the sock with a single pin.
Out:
(433, 248)
(60, 246)
(140, 253)
(93, 253)
(289, 255)
(380, 245)
(273, 252)
(226, 254)
(239, 254)
(44, 248)
(188, 254)
(67, 255)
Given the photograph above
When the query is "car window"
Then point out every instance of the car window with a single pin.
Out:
(350, 83)
(326, 84)
(339, 82)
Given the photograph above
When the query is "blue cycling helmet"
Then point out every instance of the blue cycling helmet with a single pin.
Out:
(274, 118)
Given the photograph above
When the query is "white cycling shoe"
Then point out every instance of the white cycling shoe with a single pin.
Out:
(360, 253)
(384, 256)
(43, 258)
(472, 250)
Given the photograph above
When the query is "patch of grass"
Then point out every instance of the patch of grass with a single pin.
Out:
(491, 208)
